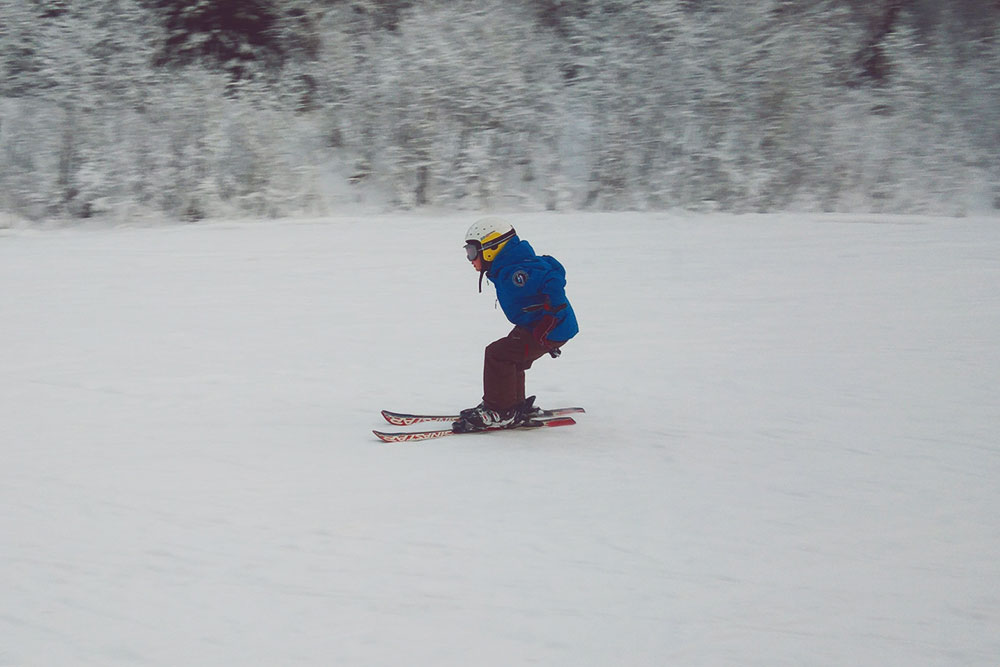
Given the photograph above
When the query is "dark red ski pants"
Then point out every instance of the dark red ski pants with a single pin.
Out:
(503, 370)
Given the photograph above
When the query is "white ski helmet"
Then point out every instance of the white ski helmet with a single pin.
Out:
(487, 236)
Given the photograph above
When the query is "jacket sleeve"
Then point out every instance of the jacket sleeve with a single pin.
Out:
(548, 294)
(529, 292)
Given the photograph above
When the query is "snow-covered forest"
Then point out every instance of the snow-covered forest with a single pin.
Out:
(205, 108)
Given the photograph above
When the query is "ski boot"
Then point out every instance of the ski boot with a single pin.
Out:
(529, 410)
(481, 418)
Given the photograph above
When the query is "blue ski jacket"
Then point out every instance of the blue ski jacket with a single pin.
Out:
(532, 288)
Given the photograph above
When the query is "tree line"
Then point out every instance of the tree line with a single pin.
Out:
(196, 108)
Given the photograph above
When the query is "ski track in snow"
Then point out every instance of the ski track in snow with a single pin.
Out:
(790, 455)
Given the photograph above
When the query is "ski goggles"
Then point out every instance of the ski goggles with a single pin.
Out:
(473, 248)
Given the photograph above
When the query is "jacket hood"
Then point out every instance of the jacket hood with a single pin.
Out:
(517, 250)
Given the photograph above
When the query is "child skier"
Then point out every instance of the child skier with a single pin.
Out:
(531, 292)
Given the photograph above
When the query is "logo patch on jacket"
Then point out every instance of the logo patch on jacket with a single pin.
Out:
(520, 277)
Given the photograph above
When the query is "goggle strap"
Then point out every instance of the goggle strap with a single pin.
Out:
(506, 236)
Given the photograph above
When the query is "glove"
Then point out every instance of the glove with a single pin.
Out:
(540, 332)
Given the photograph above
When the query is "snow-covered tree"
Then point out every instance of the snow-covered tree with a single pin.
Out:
(193, 108)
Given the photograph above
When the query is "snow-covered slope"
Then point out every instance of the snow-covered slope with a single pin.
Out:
(791, 454)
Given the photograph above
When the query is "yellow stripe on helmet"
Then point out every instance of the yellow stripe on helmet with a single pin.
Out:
(490, 250)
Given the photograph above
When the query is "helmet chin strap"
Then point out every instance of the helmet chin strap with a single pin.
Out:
(482, 272)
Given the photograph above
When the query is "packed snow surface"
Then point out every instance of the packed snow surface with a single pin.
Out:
(791, 452)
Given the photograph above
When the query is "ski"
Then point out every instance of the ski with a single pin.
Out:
(404, 419)
(409, 436)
